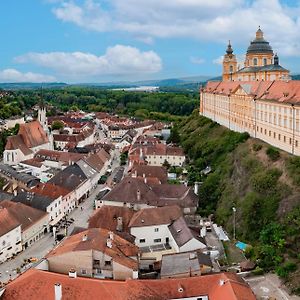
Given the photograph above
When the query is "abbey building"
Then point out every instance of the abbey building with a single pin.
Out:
(259, 98)
(260, 63)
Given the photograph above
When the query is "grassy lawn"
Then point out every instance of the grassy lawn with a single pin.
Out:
(233, 254)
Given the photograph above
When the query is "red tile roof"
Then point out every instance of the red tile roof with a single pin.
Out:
(7, 221)
(280, 91)
(50, 190)
(150, 171)
(36, 284)
(33, 134)
(106, 217)
(155, 216)
(120, 252)
(23, 214)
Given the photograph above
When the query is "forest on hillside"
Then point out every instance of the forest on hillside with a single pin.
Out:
(260, 181)
(158, 105)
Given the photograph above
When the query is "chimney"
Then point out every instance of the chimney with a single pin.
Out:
(111, 235)
(57, 291)
(144, 175)
(84, 238)
(119, 224)
(72, 273)
(221, 282)
(109, 243)
(138, 195)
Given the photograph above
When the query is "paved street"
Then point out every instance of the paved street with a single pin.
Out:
(44, 245)
(269, 287)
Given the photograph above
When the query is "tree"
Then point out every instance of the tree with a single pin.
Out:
(57, 125)
(174, 136)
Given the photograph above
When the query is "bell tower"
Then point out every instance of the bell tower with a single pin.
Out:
(229, 64)
(42, 118)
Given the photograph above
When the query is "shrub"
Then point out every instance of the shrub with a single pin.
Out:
(258, 271)
(284, 270)
(256, 147)
(273, 153)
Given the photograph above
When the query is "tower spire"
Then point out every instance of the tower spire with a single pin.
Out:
(229, 49)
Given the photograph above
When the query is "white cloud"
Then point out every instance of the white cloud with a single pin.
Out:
(218, 60)
(197, 60)
(215, 20)
(117, 60)
(13, 75)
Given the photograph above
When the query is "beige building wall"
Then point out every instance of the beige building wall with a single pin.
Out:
(275, 123)
(35, 231)
(80, 261)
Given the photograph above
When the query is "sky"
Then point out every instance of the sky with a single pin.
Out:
(77, 41)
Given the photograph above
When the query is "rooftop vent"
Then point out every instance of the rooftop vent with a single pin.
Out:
(84, 238)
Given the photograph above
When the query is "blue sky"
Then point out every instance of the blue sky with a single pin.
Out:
(105, 40)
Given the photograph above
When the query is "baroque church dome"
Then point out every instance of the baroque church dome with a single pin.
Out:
(259, 44)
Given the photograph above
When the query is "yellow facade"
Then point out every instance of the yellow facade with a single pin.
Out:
(260, 63)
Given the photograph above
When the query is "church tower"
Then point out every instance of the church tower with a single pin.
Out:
(229, 64)
(42, 118)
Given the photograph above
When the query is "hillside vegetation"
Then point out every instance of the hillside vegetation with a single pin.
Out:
(263, 184)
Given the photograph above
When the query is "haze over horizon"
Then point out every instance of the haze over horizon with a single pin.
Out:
(80, 41)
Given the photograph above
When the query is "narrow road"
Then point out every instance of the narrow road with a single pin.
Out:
(40, 248)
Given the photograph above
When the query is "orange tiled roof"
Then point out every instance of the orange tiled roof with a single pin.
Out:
(23, 214)
(7, 221)
(120, 252)
(33, 134)
(107, 215)
(280, 91)
(50, 190)
(36, 284)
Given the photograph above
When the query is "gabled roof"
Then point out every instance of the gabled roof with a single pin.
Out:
(155, 216)
(150, 171)
(33, 200)
(50, 190)
(16, 142)
(107, 217)
(36, 284)
(97, 160)
(87, 169)
(96, 239)
(7, 221)
(182, 233)
(279, 90)
(25, 178)
(136, 191)
(24, 214)
(69, 178)
(129, 189)
(33, 134)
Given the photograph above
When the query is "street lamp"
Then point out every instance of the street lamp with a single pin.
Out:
(234, 211)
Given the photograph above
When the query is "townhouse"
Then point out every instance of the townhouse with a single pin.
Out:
(97, 253)
(136, 194)
(34, 222)
(43, 203)
(10, 235)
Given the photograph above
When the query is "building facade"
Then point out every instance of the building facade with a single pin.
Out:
(268, 110)
(260, 63)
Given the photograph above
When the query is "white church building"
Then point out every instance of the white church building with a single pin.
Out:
(31, 137)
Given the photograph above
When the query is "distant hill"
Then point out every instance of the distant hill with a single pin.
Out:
(30, 85)
(296, 77)
(185, 83)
